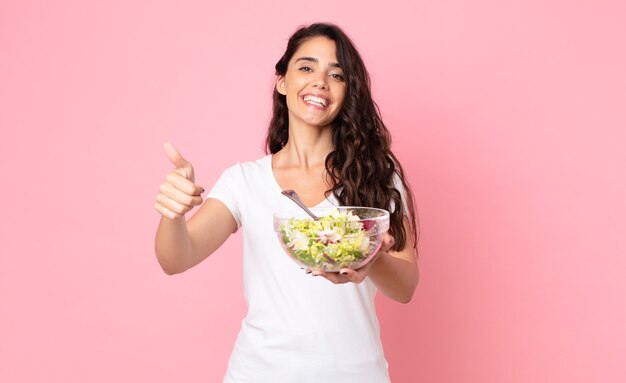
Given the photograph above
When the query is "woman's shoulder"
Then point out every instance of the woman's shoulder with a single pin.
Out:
(247, 171)
(251, 166)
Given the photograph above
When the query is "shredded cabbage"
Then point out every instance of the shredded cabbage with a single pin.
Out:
(338, 239)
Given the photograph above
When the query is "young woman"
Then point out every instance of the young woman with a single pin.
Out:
(328, 143)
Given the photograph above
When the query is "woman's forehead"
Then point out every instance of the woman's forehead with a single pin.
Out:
(316, 49)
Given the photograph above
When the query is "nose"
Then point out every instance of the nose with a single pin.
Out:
(321, 81)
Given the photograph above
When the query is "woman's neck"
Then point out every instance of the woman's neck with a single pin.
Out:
(307, 147)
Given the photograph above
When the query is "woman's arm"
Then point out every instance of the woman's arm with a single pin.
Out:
(179, 244)
(394, 273)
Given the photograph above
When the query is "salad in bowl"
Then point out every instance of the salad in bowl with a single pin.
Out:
(342, 237)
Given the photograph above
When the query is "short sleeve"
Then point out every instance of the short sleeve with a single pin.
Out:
(225, 190)
(397, 182)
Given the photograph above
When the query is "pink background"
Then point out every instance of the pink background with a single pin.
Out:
(509, 117)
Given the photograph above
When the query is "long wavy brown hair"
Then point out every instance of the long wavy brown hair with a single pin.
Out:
(361, 166)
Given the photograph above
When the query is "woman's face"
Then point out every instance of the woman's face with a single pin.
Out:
(314, 84)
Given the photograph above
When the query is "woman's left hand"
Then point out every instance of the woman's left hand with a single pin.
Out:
(350, 275)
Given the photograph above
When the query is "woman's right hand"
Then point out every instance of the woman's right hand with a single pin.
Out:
(178, 194)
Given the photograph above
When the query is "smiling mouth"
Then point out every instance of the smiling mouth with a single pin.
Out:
(315, 101)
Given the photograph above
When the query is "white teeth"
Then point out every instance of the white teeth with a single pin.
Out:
(316, 100)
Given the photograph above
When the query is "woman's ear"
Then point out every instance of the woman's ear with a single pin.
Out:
(280, 85)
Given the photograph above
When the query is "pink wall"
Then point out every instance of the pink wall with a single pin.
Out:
(508, 116)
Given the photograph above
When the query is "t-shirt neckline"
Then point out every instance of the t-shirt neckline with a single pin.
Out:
(331, 200)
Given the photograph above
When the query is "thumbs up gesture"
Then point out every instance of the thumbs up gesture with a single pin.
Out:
(179, 193)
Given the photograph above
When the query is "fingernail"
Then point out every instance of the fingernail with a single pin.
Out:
(343, 272)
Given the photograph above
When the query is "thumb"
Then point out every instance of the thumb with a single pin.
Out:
(388, 242)
(186, 169)
(199, 190)
(174, 155)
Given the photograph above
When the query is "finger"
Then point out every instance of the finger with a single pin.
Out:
(335, 278)
(347, 272)
(183, 166)
(354, 275)
(171, 205)
(173, 193)
(183, 184)
(165, 212)
(174, 155)
(358, 275)
(388, 242)
(199, 190)
(182, 172)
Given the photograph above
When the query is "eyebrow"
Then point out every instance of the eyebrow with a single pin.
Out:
(313, 59)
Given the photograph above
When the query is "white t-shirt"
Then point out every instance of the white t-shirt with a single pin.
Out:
(298, 328)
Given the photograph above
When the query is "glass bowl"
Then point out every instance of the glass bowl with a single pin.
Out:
(343, 237)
